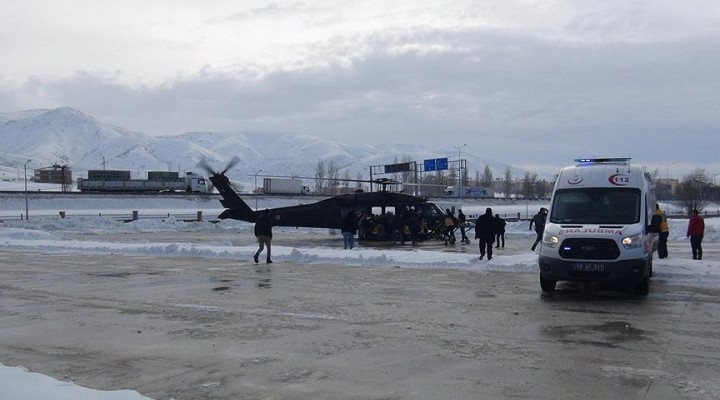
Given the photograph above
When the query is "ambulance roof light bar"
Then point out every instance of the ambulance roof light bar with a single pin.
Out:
(602, 160)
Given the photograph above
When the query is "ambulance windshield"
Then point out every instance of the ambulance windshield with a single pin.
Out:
(599, 206)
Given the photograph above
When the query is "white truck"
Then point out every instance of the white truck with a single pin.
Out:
(597, 225)
(284, 186)
(158, 181)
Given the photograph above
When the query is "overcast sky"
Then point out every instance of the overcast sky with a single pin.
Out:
(531, 83)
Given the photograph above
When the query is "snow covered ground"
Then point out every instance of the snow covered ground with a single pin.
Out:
(46, 231)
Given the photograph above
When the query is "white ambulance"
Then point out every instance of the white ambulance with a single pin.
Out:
(597, 225)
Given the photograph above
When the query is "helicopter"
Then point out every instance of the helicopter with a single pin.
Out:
(327, 213)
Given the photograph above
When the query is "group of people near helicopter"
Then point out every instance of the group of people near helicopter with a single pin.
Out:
(409, 226)
(493, 226)
(402, 227)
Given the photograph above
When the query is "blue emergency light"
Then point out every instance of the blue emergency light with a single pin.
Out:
(602, 160)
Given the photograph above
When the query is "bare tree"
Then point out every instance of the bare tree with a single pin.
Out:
(359, 185)
(542, 188)
(436, 184)
(333, 175)
(451, 179)
(346, 180)
(507, 185)
(528, 185)
(691, 190)
(320, 175)
(487, 177)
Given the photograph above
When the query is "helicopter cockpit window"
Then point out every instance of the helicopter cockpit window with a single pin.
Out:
(430, 209)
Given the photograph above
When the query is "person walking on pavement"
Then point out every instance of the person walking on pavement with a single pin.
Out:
(695, 231)
(499, 231)
(485, 233)
(539, 221)
(462, 221)
(348, 226)
(263, 233)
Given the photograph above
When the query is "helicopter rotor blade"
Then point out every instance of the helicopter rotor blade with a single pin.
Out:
(233, 162)
(203, 164)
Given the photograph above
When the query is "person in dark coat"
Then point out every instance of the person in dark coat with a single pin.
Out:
(450, 222)
(462, 221)
(539, 221)
(485, 233)
(348, 226)
(499, 231)
(696, 231)
(263, 233)
(659, 225)
(414, 225)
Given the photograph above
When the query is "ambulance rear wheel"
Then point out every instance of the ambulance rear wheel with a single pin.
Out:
(547, 285)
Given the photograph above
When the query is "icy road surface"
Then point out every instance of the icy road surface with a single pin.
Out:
(187, 315)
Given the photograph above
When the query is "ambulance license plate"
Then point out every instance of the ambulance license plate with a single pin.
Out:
(589, 267)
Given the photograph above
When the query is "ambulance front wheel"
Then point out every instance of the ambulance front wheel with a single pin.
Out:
(547, 285)
(643, 288)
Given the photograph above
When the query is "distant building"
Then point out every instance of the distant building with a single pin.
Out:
(60, 174)
(54, 174)
(666, 187)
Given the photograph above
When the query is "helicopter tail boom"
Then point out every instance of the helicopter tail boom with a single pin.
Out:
(236, 207)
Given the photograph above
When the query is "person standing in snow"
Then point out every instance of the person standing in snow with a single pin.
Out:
(263, 233)
(499, 231)
(696, 231)
(659, 225)
(348, 226)
(485, 233)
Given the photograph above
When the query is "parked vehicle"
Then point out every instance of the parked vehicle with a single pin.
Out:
(468, 191)
(158, 181)
(284, 186)
(597, 225)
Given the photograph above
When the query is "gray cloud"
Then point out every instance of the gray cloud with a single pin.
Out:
(523, 100)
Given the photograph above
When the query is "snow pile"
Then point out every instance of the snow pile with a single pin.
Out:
(18, 383)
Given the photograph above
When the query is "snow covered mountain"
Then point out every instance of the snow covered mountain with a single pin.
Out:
(67, 136)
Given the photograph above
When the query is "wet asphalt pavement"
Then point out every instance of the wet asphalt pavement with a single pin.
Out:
(179, 328)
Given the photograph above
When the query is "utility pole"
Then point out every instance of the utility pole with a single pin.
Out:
(27, 208)
(256, 188)
(459, 183)
(667, 179)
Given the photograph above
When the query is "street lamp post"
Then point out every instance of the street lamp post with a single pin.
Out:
(27, 207)
(714, 196)
(667, 179)
(256, 187)
(459, 167)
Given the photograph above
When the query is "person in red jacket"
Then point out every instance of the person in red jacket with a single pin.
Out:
(695, 231)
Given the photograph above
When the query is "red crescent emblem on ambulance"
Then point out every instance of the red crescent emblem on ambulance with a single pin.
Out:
(575, 180)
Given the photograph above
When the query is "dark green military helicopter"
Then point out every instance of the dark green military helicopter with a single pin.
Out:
(327, 213)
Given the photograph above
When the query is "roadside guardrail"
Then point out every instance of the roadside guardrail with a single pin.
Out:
(126, 217)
